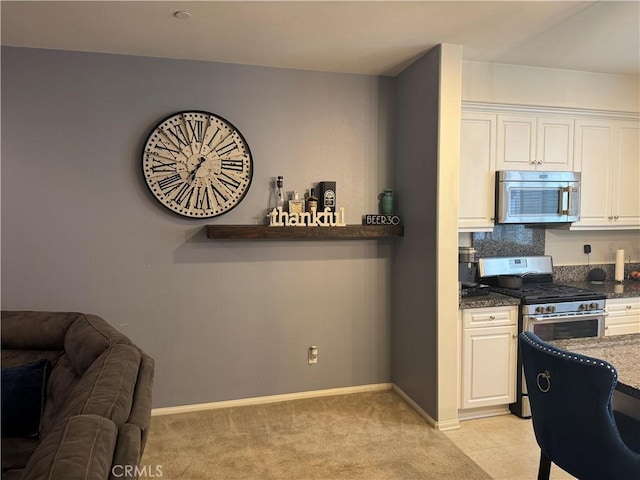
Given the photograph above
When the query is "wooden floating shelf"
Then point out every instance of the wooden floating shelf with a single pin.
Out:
(264, 232)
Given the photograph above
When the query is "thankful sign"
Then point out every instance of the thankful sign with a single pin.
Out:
(279, 218)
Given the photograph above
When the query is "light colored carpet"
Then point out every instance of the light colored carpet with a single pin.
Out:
(370, 436)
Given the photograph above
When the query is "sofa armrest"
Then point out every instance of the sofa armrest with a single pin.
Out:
(126, 456)
(141, 407)
(81, 449)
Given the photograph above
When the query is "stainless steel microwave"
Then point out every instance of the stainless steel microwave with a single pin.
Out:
(529, 197)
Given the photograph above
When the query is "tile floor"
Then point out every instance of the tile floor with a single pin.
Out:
(504, 446)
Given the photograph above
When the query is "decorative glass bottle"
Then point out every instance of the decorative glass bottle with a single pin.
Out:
(280, 193)
(312, 201)
(296, 204)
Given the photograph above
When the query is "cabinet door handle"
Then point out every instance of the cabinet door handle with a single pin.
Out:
(629, 307)
(513, 335)
(610, 217)
(492, 317)
(616, 217)
(540, 162)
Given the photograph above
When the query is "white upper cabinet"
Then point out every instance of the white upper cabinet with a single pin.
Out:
(603, 146)
(626, 175)
(608, 157)
(535, 142)
(594, 159)
(477, 166)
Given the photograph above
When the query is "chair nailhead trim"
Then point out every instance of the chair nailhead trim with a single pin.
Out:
(573, 356)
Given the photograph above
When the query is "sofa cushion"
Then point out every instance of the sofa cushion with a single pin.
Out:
(87, 338)
(12, 475)
(62, 381)
(16, 452)
(23, 398)
(36, 330)
(81, 449)
(107, 387)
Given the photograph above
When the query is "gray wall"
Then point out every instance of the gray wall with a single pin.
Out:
(224, 320)
(415, 315)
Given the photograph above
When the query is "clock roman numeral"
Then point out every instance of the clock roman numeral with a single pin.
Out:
(170, 183)
(228, 181)
(159, 166)
(202, 198)
(184, 195)
(160, 145)
(217, 195)
(234, 165)
(226, 148)
(215, 134)
(176, 132)
(196, 127)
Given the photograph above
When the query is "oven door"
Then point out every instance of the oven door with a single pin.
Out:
(549, 328)
(560, 327)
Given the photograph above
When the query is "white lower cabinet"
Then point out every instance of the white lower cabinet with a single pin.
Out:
(488, 356)
(624, 316)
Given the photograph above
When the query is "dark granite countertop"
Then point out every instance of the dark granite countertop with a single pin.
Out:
(628, 289)
(622, 351)
(491, 300)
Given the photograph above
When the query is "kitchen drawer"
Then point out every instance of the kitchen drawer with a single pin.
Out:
(627, 306)
(624, 316)
(489, 316)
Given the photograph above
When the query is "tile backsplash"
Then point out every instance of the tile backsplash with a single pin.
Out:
(506, 240)
(517, 240)
(580, 273)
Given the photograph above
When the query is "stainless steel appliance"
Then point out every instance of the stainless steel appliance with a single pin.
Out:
(552, 311)
(528, 197)
(467, 265)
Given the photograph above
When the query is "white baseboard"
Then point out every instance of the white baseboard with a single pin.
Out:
(483, 412)
(270, 399)
(442, 426)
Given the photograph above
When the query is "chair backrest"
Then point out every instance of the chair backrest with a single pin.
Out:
(570, 396)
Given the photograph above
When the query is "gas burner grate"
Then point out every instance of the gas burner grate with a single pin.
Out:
(548, 292)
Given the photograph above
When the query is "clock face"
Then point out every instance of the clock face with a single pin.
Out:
(197, 164)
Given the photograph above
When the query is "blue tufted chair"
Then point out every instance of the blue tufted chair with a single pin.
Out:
(573, 420)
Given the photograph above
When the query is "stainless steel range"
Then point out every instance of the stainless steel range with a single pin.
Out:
(552, 311)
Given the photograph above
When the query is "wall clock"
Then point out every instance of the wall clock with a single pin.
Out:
(197, 164)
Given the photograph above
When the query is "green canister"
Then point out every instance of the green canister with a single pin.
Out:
(386, 202)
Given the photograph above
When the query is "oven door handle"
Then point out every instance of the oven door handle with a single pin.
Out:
(570, 316)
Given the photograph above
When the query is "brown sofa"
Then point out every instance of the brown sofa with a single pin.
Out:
(97, 405)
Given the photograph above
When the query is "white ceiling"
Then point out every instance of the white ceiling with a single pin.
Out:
(366, 37)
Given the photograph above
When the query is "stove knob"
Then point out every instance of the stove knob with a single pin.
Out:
(593, 306)
(539, 309)
(551, 309)
(583, 306)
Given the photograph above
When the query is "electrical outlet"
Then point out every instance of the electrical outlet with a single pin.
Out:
(313, 355)
(587, 249)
